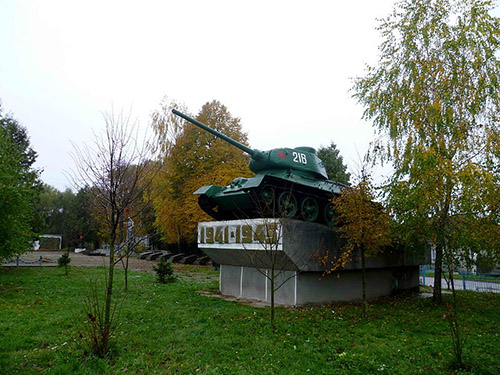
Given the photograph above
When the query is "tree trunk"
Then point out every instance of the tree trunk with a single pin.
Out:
(438, 273)
(109, 298)
(455, 328)
(179, 239)
(109, 287)
(126, 270)
(363, 279)
(272, 280)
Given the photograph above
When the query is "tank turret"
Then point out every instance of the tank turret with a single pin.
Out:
(289, 182)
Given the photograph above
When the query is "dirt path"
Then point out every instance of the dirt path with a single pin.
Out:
(49, 258)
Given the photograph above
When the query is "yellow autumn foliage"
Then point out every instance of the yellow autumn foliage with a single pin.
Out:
(194, 159)
(362, 222)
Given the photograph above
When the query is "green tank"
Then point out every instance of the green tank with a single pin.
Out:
(289, 182)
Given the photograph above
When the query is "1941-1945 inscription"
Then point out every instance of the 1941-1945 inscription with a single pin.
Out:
(264, 232)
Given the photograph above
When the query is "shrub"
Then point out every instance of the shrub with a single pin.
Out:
(98, 331)
(64, 261)
(164, 272)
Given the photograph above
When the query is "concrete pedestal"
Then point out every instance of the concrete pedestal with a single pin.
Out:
(306, 288)
(248, 250)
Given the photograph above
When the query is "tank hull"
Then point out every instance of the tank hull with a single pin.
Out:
(289, 182)
(273, 194)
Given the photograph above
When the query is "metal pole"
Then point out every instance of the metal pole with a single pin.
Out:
(463, 279)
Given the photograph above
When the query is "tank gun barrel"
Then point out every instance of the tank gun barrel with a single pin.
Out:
(248, 150)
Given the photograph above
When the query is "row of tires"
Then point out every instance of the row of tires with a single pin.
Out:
(180, 258)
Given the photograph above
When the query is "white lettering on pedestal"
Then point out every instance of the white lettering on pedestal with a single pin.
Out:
(252, 234)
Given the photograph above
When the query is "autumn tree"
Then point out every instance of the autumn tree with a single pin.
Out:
(19, 187)
(117, 169)
(363, 223)
(434, 99)
(192, 158)
(334, 163)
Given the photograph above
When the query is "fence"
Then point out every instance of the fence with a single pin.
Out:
(463, 281)
(17, 261)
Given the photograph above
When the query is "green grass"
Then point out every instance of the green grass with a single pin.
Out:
(170, 329)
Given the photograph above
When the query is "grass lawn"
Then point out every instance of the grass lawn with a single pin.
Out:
(171, 329)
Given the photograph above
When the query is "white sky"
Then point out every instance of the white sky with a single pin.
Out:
(283, 67)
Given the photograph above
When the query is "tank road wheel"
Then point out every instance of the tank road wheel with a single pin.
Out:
(329, 214)
(309, 209)
(267, 195)
(287, 204)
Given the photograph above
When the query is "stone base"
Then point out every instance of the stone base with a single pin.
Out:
(308, 288)
(246, 249)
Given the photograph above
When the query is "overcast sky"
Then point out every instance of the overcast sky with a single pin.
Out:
(283, 67)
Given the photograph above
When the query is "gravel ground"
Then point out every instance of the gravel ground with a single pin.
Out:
(49, 258)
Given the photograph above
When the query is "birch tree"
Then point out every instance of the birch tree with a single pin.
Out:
(434, 99)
